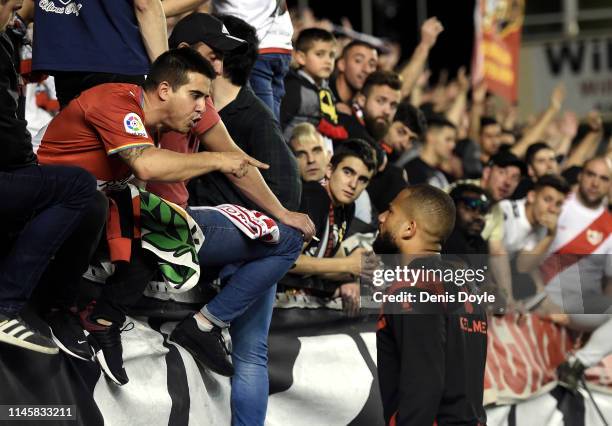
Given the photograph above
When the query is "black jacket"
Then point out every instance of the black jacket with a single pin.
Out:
(15, 139)
(254, 129)
(431, 356)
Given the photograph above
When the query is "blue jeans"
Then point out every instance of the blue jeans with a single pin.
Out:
(250, 383)
(268, 79)
(55, 202)
(251, 269)
(257, 266)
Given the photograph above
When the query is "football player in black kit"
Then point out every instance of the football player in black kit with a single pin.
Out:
(431, 356)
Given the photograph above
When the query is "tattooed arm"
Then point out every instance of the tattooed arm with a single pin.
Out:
(153, 164)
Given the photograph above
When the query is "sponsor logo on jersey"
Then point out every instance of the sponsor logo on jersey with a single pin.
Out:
(133, 125)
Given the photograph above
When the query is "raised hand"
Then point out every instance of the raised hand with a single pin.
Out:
(430, 30)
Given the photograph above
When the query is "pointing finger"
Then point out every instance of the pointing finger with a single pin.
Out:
(256, 163)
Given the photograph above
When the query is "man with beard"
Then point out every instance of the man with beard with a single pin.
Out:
(375, 108)
(431, 356)
(465, 242)
(578, 270)
(440, 140)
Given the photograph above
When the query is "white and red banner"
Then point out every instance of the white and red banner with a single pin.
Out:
(322, 372)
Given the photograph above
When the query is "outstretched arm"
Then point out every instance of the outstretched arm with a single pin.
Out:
(253, 186)
(153, 164)
(536, 131)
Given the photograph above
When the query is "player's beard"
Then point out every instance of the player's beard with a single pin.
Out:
(384, 244)
(375, 128)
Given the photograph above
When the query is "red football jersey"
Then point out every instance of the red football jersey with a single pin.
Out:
(95, 126)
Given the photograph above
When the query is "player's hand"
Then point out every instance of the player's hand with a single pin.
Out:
(430, 30)
(238, 163)
(299, 221)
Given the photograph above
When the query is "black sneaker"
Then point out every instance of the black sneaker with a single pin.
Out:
(570, 375)
(105, 342)
(68, 334)
(207, 347)
(15, 331)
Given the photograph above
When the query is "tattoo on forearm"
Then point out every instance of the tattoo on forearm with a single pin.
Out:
(130, 155)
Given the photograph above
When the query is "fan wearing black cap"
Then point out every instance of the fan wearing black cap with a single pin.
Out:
(500, 177)
(254, 130)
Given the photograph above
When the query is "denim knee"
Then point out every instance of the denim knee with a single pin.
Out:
(291, 240)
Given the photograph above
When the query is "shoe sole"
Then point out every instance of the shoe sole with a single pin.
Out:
(59, 344)
(195, 357)
(6, 338)
(99, 356)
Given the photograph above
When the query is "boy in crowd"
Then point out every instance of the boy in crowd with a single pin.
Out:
(307, 94)
(440, 139)
(331, 206)
(431, 356)
(310, 152)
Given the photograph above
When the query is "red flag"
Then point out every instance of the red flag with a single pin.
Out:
(498, 25)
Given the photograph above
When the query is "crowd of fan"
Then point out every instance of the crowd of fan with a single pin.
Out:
(318, 132)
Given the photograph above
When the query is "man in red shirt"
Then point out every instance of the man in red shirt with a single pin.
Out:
(108, 131)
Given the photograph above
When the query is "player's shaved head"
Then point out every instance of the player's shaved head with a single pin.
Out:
(431, 208)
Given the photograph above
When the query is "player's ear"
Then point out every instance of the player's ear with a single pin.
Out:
(408, 229)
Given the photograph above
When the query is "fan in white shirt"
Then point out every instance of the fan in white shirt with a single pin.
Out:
(530, 224)
(585, 230)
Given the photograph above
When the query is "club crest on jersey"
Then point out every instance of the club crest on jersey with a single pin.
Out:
(133, 125)
(594, 237)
